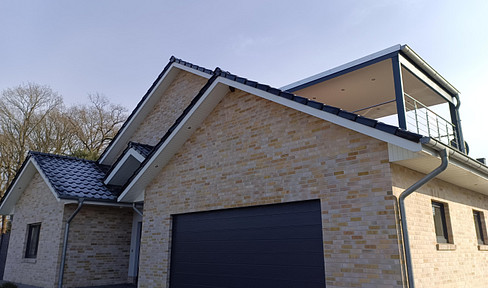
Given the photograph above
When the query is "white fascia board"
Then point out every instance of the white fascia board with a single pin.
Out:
(424, 78)
(131, 152)
(343, 67)
(352, 125)
(97, 203)
(428, 69)
(191, 70)
(206, 104)
(198, 113)
(146, 107)
(18, 187)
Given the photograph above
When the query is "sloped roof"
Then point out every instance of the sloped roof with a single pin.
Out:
(236, 81)
(173, 62)
(143, 149)
(75, 178)
(324, 107)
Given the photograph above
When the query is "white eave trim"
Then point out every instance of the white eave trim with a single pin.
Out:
(343, 67)
(131, 152)
(206, 103)
(172, 144)
(22, 181)
(160, 87)
(349, 124)
(428, 69)
(97, 203)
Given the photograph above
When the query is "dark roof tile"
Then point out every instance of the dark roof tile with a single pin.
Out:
(331, 109)
(386, 128)
(143, 149)
(301, 100)
(315, 104)
(366, 121)
(347, 115)
(75, 178)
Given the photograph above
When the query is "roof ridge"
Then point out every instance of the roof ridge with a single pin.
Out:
(391, 129)
(59, 156)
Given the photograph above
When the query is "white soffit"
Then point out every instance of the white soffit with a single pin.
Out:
(205, 105)
(349, 124)
(130, 153)
(456, 173)
(343, 67)
(199, 112)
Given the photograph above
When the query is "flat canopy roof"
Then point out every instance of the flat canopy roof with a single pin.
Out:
(406, 51)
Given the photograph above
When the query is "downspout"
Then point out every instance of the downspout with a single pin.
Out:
(137, 210)
(408, 257)
(65, 243)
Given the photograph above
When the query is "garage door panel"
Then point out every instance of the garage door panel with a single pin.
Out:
(264, 246)
(270, 232)
(299, 259)
(248, 222)
(253, 246)
(222, 281)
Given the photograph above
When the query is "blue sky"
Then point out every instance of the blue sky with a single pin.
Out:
(118, 47)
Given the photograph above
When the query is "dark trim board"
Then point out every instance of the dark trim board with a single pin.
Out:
(277, 245)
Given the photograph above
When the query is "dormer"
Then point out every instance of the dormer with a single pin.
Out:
(394, 86)
(127, 164)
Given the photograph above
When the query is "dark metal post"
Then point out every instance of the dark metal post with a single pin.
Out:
(456, 120)
(400, 99)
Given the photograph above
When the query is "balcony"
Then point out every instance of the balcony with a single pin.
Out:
(394, 86)
(422, 120)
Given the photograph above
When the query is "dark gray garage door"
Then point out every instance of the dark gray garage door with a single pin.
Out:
(263, 246)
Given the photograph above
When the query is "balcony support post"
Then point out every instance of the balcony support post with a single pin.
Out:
(400, 99)
(456, 120)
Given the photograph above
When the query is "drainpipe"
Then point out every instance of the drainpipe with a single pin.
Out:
(408, 257)
(137, 210)
(65, 243)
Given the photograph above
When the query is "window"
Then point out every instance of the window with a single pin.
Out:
(440, 224)
(33, 231)
(478, 225)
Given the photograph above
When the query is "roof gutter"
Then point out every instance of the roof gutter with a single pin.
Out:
(408, 257)
(65, 243)
(455, 155)
(420, 62)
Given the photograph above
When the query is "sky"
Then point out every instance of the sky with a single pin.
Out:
(118, 47)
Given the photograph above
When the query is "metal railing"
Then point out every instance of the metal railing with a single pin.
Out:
(424, 121)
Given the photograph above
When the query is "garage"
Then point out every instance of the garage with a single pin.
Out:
(276, 245)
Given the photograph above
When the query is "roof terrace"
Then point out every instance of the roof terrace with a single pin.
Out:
(394, 86)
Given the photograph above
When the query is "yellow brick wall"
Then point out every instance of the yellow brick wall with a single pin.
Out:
(173, 101)
(98, 246)
(250, 151)
(464, 267)
(36, 204)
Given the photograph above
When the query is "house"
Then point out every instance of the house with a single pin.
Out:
(356, 177)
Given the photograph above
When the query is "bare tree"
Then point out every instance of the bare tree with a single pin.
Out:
(23, 110)
(33, 117)
(95, 125)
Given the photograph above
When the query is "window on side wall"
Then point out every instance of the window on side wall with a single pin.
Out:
(33, 231)
(440, 222)
(479, 227)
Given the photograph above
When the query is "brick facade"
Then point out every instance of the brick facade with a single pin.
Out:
(36, 205)
(98, 246)
(250, 151)
(98, 249)
(443, 268)
(173, 101)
